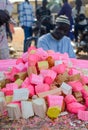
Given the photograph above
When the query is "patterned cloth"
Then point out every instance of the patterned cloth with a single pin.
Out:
(41, 12)
(26, 14)
(4, 50)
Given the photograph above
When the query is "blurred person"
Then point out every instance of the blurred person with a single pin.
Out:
(43, 15)
(57, 39)
(79, 17)
(26, 20)
(4, 49)
(10, 29)
(66, 9)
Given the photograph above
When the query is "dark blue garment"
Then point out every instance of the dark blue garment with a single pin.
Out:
(27, 34)
(67, 10)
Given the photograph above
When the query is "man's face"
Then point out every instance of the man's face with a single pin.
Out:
(61, 29)
(44, 3)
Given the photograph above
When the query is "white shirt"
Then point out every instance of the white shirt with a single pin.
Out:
(82, 11)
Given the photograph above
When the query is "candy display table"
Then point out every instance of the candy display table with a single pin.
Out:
(6, 64)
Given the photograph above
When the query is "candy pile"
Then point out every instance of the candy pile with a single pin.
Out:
(43, 84)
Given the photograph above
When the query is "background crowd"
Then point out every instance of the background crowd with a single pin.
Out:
(59, 33)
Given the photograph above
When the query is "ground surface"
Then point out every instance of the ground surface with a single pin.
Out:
(17, 43)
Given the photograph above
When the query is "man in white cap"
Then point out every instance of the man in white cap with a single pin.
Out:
(57, 39)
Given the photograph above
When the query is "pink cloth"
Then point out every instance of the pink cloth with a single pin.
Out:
(80, 63)
(5, 64)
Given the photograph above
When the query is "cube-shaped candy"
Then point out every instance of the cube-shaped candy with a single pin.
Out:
(83, 115)
(2, 105)
(74, 71)
(26, 83)
(74, 77)
(48, 80)
(25, 57)
(8, 92)
(1, 94)
(54, 100)
(31, 69)
(86, 101)
(77, 94)
(21, 75)
(32, 59)
(80, 100)
(48, 73)
(39, 107)
(31, 90)
(50, 61)
(11, 86)
(76, 85)
(59, 69)
(36, 79)
(9, 98)
(66, 89)
(18, 82)
(27, 109)
(84, 79)
(41, 53)
(53, 112)
(84, 93)
(20, 94)
(74, 107)
(56, 91)
(20, 67)
(14, 111)
(42, 65)
(60, 78)
(70, 98)
(57, 62)
(41, 88)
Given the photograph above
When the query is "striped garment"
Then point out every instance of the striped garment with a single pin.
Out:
(4, 50)
(26, 14)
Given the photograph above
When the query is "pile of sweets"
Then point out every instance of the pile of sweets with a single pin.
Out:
(43, 83)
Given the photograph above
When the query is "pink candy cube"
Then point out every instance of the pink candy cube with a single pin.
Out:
(69, 99)
(36, 79)
(20, 67)
(84, 79)
(59, 69)
(26, 83)
(74, 107)
(42, 88)
(48, 73)
(54, 100)
(11, 86)
(83, 115)
(31, 90)
(76, 85)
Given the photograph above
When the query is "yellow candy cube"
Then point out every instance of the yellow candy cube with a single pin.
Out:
(53, 112)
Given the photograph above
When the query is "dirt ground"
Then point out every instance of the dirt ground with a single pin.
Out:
(17, 45)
